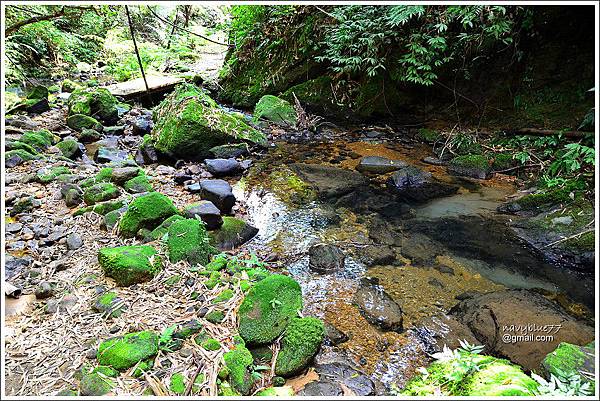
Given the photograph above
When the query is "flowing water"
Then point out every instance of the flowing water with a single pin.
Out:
(460, 233)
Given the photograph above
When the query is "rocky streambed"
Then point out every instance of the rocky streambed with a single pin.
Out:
(396, 252)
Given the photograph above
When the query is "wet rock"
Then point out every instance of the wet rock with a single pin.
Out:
(89, 135)
(142, 125)
(233, 233)
(379, 165)
(222, 167)
(74, 241)
(321, 388)
(219, 193)
(435, 332)
(354, 380)
(114, 130)
(229, 151)
(475, 166)
(414, 184)
(378, 308)
(382, 232)
(330, 182)
(207, 212)
(501, 321)
(146, 154)
(377, 255)
(110, 155)
(444, 269)
(334, 336)
(433, 161)
(44, 290)
(326, 258)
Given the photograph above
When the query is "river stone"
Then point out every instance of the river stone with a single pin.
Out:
(122, 174)
(414, 184)
(228, 151)
(232, 233)
(13, 160)
(330, 182)
(379, 165)
(494, 318)
(334, 336)
(357, 382)
(378, 308)
(321, 388)
(222, 167)
(44, 290)
(114, 130)
(208, 213)
(110, 155)
(219, 193)
(142, 125)
(14, 265)
(326, 258)
(74, 241)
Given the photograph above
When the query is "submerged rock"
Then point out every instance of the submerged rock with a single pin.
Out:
(379, 165)
(506, 322)
(414, 184)
(330, 182)
(326, 258)
(188, 123)
(378, 308)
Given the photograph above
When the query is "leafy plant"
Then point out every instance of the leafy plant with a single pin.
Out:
(562, 385)
(165, 341)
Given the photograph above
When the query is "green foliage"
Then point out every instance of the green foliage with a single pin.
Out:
(360, 38)
(563, 385)
(124, 352)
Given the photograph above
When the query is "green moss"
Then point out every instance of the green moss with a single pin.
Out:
(286, 391)
(129, 265)
(238, 361)
(584, 242)
(300, 344)
(94, 384)
(123, 352)
(188, 240)
(213, 281)
(471, 165)
(39, 140)
(38, 92)
(543, 198)
(503, 161)
(112, 218)
(89, 135)
(103, 208)
(268, 308)
(51, 174)
(188, 329)
(177, 384)
(23, 154)
(163, 228)
(290, 188)
(14, 145)
(69, 86)
(223, 296)
(100, 192)
(146, 211)
(188, 123)
(262, 355)
(568, 360)
(106, 371)
(79, 122)
(495, 377)
(69, 148)
(138, 185)
(215, 316)
(217, 263)
(211, 344)
(142, 367)
(428, 135)
(314, 93)
(109, 304)
(97, 101)
(275, 109)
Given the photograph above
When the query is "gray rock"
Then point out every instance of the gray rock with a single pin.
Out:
(333, 335)
(356, 381)
(14, 265)
(44, 290)
(378, 308)
(207, 211)
(229, 151)
(219, 193)
(222, 167)
(326, 258)
(61, 304)
(142, 125)
(330, 182)
(13, 161)
(434, 161)
(114, 130)
(110, 155)
(181, 177)
(321, 388)
(122, 174)
(13, 227)
(379, 165)
(74, 241)
(414, 184)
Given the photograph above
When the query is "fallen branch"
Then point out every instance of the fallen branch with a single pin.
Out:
(568, 238)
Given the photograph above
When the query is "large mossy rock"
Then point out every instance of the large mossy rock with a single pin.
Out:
(96, 102)
(129, 265)
(275, 109)
(146, 211)
(495, 377)
(188, 240)
(268, 309)
(80, 122)
(238, 361)
(299, 345)
(569, 360)
(232, 233)
(38, 140)
(188, 123)
(124, 352)
(100, 192)
(471, 165)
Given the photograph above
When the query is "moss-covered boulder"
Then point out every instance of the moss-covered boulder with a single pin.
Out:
(188, 240)
(102, 208)
(94, 102)
(238, 361)
(20, 154)
(100, 192)
(69, 86)
(232, 233)
(138, 185)
(14, 145)
(69, 148)
(39, 140)
(109, 304)
(48, 175)
(569, 360)
(493, 377)
(428, 135)
(95, 384)
(275, 109)
(300, 344)
(79, 122)
(146, 211)
(188, 123)
(163, 228)
(124, 352)
(268, 308)
(129, 265)
(471, 165)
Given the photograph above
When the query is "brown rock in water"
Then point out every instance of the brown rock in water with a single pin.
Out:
(507, 323)
(378, 308)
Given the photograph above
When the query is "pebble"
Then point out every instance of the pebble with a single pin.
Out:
(14, 227)
(74, 241)
(91, 353)
(44, 290)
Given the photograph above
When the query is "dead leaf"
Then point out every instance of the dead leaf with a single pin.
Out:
(298, 383)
